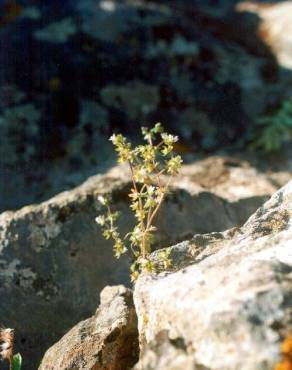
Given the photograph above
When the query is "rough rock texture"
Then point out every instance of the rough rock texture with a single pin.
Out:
(54, 261)
(227, 304)
(106, 341)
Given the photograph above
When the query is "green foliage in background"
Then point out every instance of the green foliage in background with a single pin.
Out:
(274, 129)
(16, 362)
(147, 164)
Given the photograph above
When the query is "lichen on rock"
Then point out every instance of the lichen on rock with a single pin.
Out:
(57, 32)
(106, 341)
(134, 98)
(229, 300)
(57, 260)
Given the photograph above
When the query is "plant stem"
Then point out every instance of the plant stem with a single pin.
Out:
(159, 203)
(143, 249)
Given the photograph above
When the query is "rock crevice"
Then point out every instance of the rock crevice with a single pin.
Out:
(54, 260)
(227, 298)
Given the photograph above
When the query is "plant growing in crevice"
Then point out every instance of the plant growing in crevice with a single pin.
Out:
(7, 349)
(147, 164)
(274, 129)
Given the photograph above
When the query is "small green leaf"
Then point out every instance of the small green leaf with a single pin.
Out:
(16, 362)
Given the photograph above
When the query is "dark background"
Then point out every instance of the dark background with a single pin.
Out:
(73, 72)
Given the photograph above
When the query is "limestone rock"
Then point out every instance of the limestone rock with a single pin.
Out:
(164, 353)
(106, 341)
(227, 304)
(275, 27)
(54, 261)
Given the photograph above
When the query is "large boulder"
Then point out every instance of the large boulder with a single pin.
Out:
(54, 261)
(106, 341)
(226, 303)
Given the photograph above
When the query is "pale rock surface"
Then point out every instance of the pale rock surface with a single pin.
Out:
(106, 341)
(227, 303)
(275, 27)
(54, 260)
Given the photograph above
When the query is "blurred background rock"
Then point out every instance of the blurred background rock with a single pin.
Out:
(72, 72)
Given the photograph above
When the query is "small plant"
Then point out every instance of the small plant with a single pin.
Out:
(7, 348)
(147, 163)
(274, 129)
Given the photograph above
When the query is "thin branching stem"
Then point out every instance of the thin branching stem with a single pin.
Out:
(147, 164)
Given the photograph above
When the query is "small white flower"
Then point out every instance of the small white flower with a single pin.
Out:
(101, 199)
(151, 189)
(113, 138)
(169, 139)
(100, 220)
